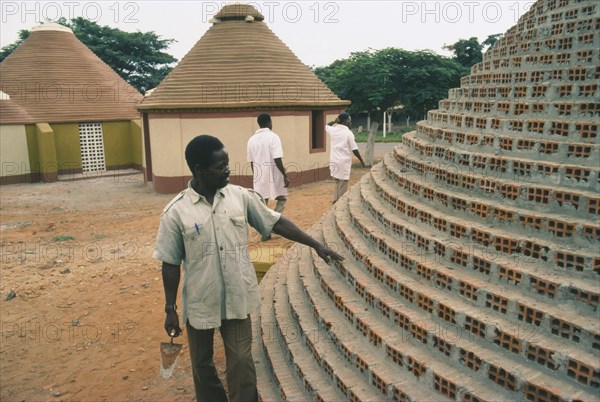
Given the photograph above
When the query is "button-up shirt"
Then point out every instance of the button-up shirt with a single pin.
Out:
(212, 242)
(340, 154)
(263, 148)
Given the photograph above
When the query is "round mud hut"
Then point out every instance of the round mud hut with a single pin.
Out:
(64, 113)
(238, 69)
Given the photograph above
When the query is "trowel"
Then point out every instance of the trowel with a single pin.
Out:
(168, 356)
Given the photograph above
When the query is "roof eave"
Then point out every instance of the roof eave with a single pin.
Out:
(17, 122)
(82, 119)
(242, 105)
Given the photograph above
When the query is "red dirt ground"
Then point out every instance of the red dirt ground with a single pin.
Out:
(87, 319)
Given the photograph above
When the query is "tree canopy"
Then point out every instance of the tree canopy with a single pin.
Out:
(138, 57)
(8, 49)
(376, 81)
(469, 52)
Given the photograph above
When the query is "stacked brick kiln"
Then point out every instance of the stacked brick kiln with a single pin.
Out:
(472, 264)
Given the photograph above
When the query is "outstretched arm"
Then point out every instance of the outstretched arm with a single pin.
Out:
(289, 230)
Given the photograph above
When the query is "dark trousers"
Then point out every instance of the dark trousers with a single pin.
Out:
(241, 374)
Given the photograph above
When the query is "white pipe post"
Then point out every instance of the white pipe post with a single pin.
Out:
(384, 121)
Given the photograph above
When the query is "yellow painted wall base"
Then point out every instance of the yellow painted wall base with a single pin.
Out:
(43, 151)
(263, 257)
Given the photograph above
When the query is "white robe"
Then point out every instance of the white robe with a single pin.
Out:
(263, 148)
(340, 156)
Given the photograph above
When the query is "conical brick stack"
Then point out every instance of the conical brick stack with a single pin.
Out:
(472, 264)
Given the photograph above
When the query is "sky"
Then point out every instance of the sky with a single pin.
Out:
(318, 32)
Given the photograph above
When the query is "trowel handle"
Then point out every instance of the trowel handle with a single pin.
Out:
(172, 334)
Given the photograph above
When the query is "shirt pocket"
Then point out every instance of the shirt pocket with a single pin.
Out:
(238, 230)
(193, 243)
(239, 221)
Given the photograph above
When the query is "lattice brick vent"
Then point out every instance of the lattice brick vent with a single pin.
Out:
(91, 142)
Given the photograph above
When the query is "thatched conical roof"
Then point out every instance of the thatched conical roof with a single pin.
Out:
(240, 63)
(12, 113)
(55, 78)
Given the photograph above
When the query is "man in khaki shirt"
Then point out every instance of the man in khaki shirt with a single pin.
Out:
(205, 227)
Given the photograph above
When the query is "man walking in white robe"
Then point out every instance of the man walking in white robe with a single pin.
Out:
(342, 147)
(265, 155)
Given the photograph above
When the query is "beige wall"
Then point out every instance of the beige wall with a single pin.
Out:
(166, 148)
(330, 117)
(14, 154)
(294, 132)
(170, 136)
(233, 132)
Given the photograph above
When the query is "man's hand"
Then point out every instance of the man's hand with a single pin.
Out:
(286, 181)
(356, 153)
(327, 254)
(172, 324)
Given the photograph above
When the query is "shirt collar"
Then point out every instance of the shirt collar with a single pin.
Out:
(260, 130)
(195, 197)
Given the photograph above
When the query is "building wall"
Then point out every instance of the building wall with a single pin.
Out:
(170, 133)
(122, 144)
(135, 146)
(46, 141)
(31, 153)
(14, 155)
(68, 152)
(330, 117)
(117, 143)
(32, 146)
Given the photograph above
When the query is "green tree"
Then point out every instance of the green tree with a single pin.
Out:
(467, 52)
(8, 49)
(427, 77)
(491, 40)
(363, 79)
(375, 81)
(138, 57)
